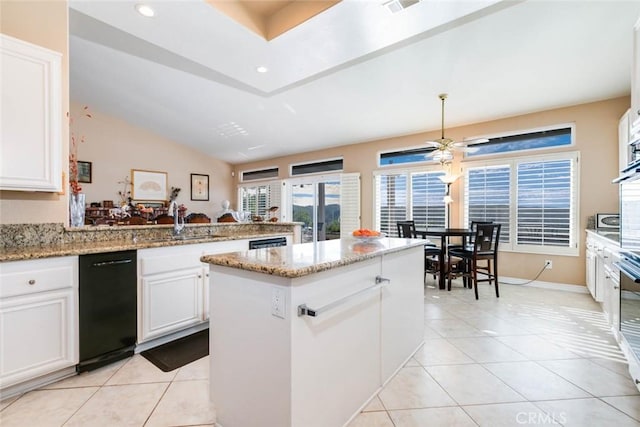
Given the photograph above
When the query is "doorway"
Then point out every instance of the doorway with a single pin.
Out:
(315, 201)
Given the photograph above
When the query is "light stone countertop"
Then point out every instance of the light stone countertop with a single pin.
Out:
(307, 258)
(607, 233)
(83, 248)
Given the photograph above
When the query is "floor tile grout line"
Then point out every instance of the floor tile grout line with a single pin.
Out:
(157, 403)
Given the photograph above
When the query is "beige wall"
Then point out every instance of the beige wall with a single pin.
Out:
(43, 23)
(114, 147)
(596, 139)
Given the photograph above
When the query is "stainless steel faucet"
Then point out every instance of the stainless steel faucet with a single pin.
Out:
(177, 224)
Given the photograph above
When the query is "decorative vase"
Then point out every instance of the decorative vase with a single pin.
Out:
(76, 209)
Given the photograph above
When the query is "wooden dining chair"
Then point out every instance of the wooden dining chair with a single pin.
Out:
(164, 219)
(432, 253)
(135, 220)
(197, 218)
(485, 248)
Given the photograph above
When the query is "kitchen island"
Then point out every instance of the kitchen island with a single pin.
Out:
(305, 335)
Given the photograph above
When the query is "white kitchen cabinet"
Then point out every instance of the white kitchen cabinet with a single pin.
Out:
(38, 318)
(611, 297)
(173, 291)
(30, 135)
(624, 150)
(603, 276)
(634, 117)
(400, 334)
(316, 369)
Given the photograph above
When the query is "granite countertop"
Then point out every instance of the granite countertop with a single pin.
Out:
(308, 258)
(83, 248)
(607, 233)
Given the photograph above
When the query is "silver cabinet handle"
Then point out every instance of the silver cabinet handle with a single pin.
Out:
(32, 281)
(616, 287)
(380, 279)
(304, 310)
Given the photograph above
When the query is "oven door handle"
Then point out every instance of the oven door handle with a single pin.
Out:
(629, 273)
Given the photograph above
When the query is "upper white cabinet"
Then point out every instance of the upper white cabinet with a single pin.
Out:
(623, 140)
(30, 135)
(634, 117)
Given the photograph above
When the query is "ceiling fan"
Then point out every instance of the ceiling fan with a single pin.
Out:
(444, 147)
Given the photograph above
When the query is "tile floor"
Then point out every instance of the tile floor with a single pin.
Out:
(532, 357)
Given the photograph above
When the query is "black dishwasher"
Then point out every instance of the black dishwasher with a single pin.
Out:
(107, 308)
(268, 243)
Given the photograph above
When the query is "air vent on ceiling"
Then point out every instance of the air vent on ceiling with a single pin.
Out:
(395, 6)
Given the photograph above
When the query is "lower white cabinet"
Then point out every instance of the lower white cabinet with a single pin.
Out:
(603, 276)
(38, 318)
(173, 290)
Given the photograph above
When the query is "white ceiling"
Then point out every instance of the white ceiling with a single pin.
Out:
(353, 73)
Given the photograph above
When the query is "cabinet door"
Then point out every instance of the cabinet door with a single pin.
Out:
(634, 116)
(30, 135)
(36, 335)
(591, 271)
(339, 346)
(402, 309)
(171, 302)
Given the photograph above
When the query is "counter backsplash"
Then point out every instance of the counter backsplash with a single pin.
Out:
(13, 236)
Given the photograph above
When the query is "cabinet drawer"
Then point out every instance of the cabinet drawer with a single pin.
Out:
(28, 277)
(161, 264)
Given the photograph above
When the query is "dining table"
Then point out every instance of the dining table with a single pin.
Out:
(444, 234)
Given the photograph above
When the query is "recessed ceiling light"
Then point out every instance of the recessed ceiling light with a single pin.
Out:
(145, 10)
(262, 69)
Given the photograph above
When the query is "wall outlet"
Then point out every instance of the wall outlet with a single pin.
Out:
(548, 264)
(278, 302)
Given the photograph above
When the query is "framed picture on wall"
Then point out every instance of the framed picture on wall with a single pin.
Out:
(84, 172)
(148, 185)
(199, 187)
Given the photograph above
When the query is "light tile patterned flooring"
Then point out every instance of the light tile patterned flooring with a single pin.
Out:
(532, 357)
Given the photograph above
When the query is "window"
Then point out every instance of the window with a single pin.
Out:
(259, 174)
(531, 140)
(415, 155)
(257, 199)
(417, 195)
(317, 167)
(534, 198)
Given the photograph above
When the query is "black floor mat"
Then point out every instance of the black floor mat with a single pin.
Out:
(180, 352)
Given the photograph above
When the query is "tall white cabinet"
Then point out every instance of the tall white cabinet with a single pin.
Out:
(31, 117)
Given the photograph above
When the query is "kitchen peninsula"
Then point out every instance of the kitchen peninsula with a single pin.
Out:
(305, 335)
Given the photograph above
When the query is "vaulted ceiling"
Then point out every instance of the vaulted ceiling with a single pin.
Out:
(350, 73)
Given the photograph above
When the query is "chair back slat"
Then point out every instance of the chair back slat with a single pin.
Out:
(406, 229)
(486, 237)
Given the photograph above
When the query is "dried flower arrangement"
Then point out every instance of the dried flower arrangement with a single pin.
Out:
(73, 153)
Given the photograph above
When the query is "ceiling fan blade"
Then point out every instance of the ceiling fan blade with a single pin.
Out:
(434, 144)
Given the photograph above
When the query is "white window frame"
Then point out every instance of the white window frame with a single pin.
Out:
(251, 181)
(274, 196)
(524, 152)
(311, 162)
(400, 171)
(512, 162)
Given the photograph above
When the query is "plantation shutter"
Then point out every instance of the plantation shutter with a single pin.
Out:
(487, 196)
(391, 202)
(545, 214)
(349, 203)
(427, 199)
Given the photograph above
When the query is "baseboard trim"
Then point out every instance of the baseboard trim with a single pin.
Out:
(580, 289)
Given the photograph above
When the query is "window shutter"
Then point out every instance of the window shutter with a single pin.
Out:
(427, 199)
(391, 202)
(275, 198)
(544, 214)
(487, 196)
(349, 203)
